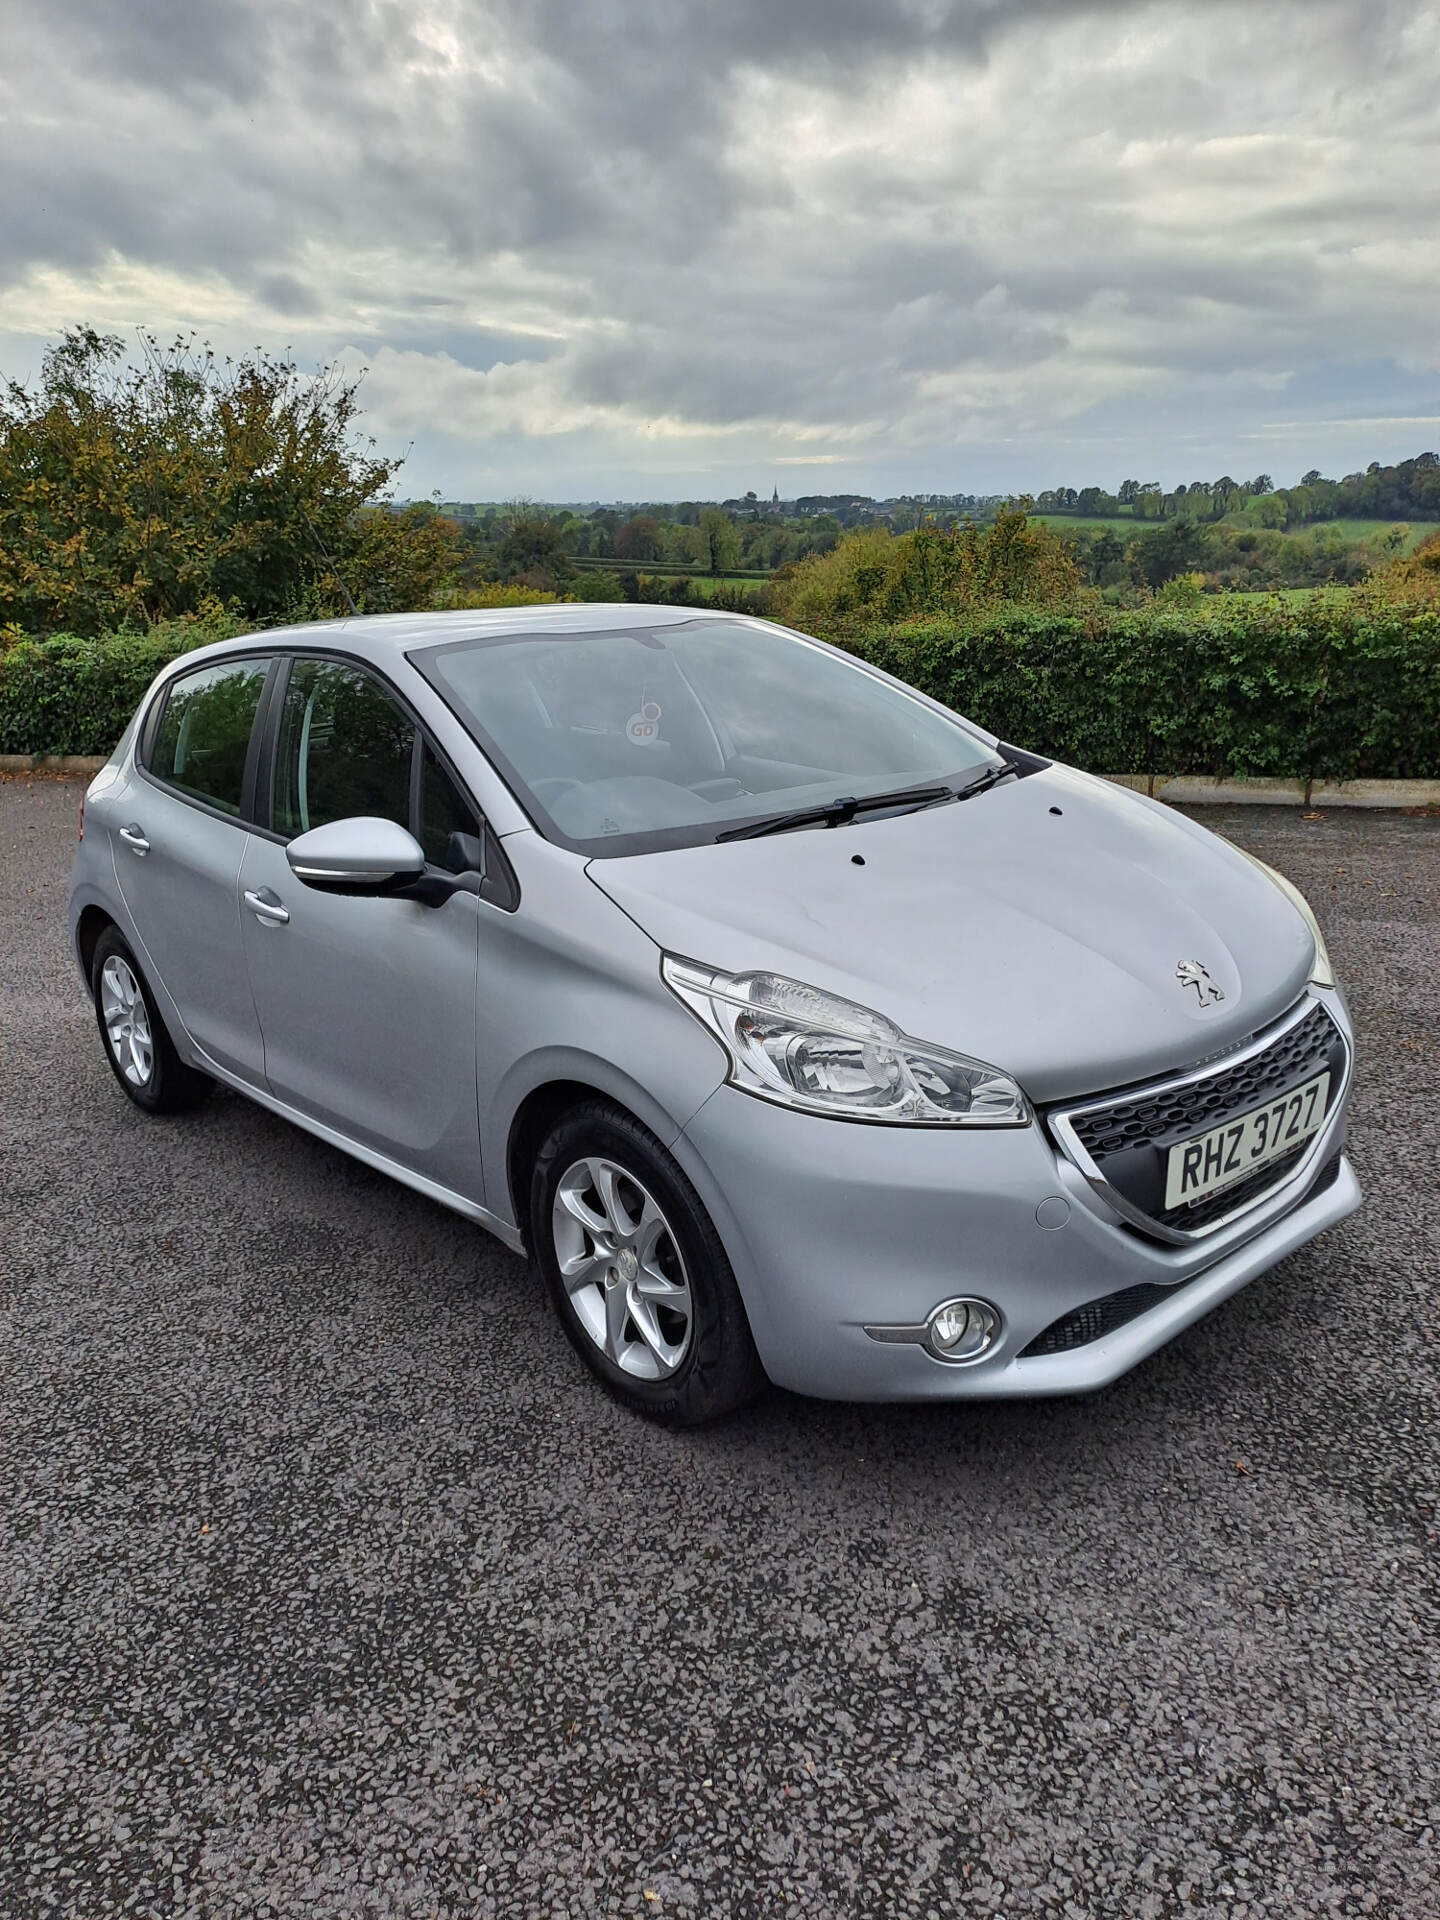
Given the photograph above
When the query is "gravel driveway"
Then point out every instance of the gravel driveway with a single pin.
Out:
(335, 1587)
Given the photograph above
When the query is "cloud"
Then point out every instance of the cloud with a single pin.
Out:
(618, 245)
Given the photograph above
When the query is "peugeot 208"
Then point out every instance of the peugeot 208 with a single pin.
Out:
(797, 1027)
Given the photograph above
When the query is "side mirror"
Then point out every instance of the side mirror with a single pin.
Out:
(363, 855)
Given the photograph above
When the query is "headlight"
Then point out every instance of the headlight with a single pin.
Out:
(812, 1050)
(1323, 974)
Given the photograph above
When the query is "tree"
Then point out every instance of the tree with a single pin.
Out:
(1177, 547)
(532, 550)
(1148, 502)
(1095, 500)
(687, 545)
(1128, 491)
(871, 575)
(1106, 555)
(1414, 578)
(139, 490)
(394, 563)
(638, 539)
(722, 541)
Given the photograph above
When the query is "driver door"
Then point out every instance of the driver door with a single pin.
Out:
(367, 1007)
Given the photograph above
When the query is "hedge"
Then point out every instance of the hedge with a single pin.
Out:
(1329, 689)
(66, 694)
(1324, 689)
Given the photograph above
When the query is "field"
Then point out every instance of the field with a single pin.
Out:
(1123, 524)
(1359, 532)
(1374, 531)
(1292, 596)
(704, 583)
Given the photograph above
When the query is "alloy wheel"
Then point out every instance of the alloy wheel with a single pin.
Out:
(622, 1269)
(127, 1022)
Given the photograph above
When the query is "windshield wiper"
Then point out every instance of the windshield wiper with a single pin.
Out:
(983, 782)
(839, 813)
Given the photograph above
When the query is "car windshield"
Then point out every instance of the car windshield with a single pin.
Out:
(633, 739)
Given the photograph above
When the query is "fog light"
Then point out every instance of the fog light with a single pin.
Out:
(962, 1330)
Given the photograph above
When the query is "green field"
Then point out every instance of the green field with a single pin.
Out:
(1124, 524)
(1292, 596)
(1372, 532)
(671, 570)
(1367, 532)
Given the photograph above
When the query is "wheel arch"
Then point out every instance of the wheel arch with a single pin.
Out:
(550, 1084)
(532, 1121)
(91, 924)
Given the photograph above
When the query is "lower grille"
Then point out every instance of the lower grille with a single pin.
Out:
(1098, 1317)
(1126, 1140)
(1095, 1319)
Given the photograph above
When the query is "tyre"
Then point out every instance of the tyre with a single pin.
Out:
(141, 1053)
(636, 1270)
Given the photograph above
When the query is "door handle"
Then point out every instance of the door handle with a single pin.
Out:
(266, 906)
(134, 838)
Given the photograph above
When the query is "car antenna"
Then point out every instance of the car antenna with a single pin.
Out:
(320, 546)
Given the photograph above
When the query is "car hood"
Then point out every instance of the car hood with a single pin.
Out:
(1038, 927)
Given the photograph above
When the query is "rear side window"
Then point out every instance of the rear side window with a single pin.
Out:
(344, 748)
(203, 738)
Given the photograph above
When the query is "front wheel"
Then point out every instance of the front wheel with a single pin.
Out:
(637, 1272)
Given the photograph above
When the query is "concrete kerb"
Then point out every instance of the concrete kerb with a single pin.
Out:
(77, 763)
(1183, 789)
(1196, 790)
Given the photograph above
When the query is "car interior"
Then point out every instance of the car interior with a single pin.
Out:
(614, 736)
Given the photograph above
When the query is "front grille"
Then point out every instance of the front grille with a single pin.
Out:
(1129, 1138)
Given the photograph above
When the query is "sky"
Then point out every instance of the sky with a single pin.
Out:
(640, 249)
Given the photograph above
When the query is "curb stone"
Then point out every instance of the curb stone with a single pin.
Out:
(1195, 790)
(52, 762)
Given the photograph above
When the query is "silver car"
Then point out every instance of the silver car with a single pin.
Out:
(797, 1028)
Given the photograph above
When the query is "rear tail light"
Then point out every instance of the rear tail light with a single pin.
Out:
(81, 834)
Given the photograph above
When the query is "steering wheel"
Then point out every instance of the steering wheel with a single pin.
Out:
(553, 787)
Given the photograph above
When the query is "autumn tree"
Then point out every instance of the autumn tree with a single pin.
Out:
(934, 570)
(1409, 579)
(638, 539)
(134, 490)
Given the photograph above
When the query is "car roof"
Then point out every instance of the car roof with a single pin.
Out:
(381, 636)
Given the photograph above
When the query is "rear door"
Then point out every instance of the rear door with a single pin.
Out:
(367, 1006)
(179, 848)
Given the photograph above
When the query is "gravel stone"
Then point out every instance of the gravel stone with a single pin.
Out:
(334, 1587)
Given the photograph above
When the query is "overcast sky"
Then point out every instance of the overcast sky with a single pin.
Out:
(650, 249)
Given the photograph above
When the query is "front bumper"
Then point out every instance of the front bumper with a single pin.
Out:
(833, 1226)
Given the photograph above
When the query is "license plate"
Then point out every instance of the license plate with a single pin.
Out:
(1213, 1160)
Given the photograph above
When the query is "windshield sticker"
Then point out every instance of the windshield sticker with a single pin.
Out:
(643, 728)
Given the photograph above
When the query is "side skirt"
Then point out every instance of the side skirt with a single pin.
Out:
(381, 1162)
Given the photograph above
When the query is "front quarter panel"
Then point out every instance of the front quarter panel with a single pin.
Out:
(570, 990)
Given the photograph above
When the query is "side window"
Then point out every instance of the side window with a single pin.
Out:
(344, 748)
(449, 830)
(203, 737)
